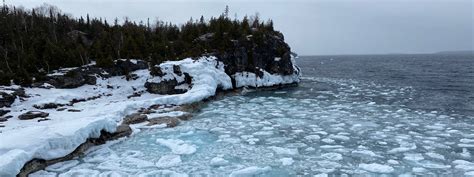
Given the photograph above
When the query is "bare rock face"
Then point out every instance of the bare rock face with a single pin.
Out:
(135, 118)
(167, 87)
(33, 114)
(169, 121)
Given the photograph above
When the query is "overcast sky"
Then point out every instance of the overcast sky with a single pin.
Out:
(314, 27)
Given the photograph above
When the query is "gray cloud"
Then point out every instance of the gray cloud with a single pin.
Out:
(318, 26)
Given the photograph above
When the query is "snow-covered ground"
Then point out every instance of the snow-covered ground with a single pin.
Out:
(23, 140)
(324, 127)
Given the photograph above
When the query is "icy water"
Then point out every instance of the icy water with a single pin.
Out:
(351, 115)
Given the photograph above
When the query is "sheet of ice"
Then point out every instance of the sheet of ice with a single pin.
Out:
(168, 161)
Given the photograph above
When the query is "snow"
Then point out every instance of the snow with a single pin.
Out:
(376, 168)
(248, 79)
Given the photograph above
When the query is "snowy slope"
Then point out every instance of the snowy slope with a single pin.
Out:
(24, 140)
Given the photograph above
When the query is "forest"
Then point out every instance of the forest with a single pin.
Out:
(35, 41)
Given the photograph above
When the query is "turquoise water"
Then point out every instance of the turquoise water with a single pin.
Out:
(333, 124)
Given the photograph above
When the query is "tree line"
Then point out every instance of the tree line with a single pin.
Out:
(37, 41)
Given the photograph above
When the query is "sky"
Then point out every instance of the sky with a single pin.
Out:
(313, 27)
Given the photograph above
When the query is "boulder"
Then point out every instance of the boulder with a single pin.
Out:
(33, 114)
(169, 121)
(135, 118)
(72, 79)
(164, 87)
(3, 112)
(7, 98)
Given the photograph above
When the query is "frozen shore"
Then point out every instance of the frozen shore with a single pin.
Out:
(66, 128)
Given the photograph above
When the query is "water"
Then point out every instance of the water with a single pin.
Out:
(354, 115)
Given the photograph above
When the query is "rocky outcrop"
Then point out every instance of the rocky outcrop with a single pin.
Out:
(33, 114)
(264, 54)
(135, 118)
(273, 55)
(88, 74)
(169, 82)
(169, 121)
(8, 96)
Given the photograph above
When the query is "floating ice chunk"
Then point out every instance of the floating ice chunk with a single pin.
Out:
(435, 155)
(218, 161)
(332, 156)
(404, 148)
(168, 173)
(465, 153)
(111, 165)
(132, 153)
(168, 161)
(392, 162)
(113, 174)
(413, 157)
(465, 140)
(312, 137)
(470, 173)
(328, 140)
(139, 163)
(376, 168)
(80, 172)
(463, 165)
(286, 161)
(463, 145)
(365, 153)
(434, 165)
(418, 170)
(329, 164)
(263, 133)
(284, 151)
(62, 166)
(331, 146)
(177, 146)
(250, 171)
(321, 175)
(43, 173)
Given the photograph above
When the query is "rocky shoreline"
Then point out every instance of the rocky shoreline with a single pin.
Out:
(59, 117)
(125, 130)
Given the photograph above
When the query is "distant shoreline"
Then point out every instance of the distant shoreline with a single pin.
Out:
(466, 52)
